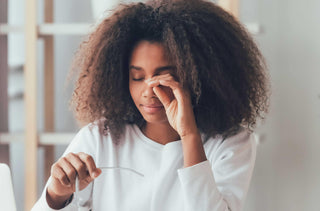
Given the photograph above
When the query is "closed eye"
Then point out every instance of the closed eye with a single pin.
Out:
(137, 79)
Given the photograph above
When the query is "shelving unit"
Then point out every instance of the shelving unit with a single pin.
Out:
(4, 148)
(32, 138)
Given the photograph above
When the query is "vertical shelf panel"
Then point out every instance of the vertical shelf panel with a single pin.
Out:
(4, 148)
(48, 87)
(31, 142)
(232, 6)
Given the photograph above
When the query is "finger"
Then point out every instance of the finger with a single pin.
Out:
(176, 88)
(90, 164)
(85, 182)
(156, 78)
(163, 97)
(60, 175)
(162, 76)
(174, 85)
(88, 179)
(166, 79)
(79, 165)
(69, 169)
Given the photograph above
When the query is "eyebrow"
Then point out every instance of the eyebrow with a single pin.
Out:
(158, 69)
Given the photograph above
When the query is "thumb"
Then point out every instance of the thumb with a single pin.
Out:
(164, 99)
(96, 173)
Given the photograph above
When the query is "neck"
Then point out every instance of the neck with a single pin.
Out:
(162, 133)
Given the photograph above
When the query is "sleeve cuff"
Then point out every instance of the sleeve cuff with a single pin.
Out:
(42, 204)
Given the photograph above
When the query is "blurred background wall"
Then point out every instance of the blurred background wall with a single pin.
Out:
(287, 172)
(286, 175)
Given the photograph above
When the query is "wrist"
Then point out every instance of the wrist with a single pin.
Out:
(192, 135)
(193, 149)
(56, 201)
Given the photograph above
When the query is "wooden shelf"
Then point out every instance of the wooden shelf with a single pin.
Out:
(254, 28)
(55, 138)
(51, 29)
(6, 29)
(64, 29)
(17, 68)
(83, 29)
(7, 138)
(44, 138)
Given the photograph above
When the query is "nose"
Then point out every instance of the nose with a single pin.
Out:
(148, 92)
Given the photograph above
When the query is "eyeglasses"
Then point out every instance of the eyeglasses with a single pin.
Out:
(86, 203)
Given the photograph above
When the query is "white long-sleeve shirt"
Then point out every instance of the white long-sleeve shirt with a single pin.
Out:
(218, 184)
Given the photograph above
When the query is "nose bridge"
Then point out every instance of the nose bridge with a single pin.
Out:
(147, 91)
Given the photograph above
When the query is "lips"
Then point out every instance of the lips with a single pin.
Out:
(152, 108)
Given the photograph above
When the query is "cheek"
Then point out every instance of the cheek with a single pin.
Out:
(133, 92)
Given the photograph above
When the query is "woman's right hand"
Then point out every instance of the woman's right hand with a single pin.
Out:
(63, 175)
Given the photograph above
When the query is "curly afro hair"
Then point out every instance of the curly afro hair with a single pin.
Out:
(214, 55)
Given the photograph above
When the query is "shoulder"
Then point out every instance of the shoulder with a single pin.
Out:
(241, 145)
(97, 132)
(92, 130)
(87, 139)
(242, 138)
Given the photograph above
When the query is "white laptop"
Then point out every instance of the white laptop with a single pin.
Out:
(7, 201)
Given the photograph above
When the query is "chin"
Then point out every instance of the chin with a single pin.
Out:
(155, 118)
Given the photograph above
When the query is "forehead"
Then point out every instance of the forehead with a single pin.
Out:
(148, 53)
